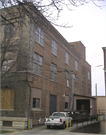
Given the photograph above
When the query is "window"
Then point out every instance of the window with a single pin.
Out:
(36, 103)
(66, 105)
(89, 91)
(7, 100)
(76, 65)
(83, 86)
(53, 72)
(7, 65)
(39, 36)
(36, 99)
(9, 30)
(54, 47)
(88, 75)
(58, 114)
(67, 78)
(83, 70)
(37, 65)
(76, 83)
(67, 58)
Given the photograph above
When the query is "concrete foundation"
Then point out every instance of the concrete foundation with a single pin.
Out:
(13, 123)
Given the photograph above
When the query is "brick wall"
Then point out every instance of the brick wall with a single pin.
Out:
(104, 55)
(58, 88)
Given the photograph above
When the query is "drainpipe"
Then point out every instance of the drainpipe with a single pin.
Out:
(72, 91)
(29, 113)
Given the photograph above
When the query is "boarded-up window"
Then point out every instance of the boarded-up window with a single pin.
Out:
(7, 98)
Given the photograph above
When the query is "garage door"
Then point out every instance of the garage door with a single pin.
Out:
(83, 104)
(53, 104)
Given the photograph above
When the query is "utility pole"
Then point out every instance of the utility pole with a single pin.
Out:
(96, 98)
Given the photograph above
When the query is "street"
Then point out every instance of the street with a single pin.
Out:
(42, 130)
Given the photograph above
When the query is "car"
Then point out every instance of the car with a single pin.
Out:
(58, 119)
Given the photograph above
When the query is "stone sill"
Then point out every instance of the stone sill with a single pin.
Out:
(6, 109)
(36, 109)
(19, 119)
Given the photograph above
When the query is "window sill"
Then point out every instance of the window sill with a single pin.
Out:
(54, 54)
(37, 75)
(53, 81)
(36, 109)
(66, 109)
(7, 109)
(67, 86)
(39, 43)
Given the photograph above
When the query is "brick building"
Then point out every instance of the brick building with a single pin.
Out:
(104, 53)
(48, 74)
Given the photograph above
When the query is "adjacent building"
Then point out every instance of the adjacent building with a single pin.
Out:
(104, 54)
(41, 73)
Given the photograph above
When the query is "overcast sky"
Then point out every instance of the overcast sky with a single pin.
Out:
(89, 27)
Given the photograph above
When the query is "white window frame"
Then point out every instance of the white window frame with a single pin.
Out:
(76, 65)
(67, 58)
(54, 47)
(39, 35)
(37, 64)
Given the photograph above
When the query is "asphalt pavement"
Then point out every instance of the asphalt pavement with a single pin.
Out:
(42, 130)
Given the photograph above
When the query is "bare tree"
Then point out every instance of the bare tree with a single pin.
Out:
(51, 9)
(43, 13)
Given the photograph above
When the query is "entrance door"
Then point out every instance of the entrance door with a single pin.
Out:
(53, 102)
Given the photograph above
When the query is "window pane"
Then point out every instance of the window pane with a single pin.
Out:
(52, 67)
(36, 103)
(66, 105)
(41, 41)
(35, 68)
(39, 35)
(54, 47)
(67, 58)
(76, 65)
(35, 58)
(53, 72)
(37, 65)
(52, 75)
(40, 60)
(39, 70)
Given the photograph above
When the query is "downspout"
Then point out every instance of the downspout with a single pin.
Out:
(72, 91)
(29, 113)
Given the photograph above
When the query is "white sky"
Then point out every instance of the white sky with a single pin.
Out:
(89, 27)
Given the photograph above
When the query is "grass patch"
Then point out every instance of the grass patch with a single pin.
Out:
(3, 131)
